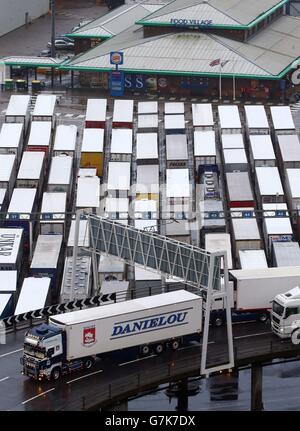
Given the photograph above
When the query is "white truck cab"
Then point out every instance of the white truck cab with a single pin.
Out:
(286, 313)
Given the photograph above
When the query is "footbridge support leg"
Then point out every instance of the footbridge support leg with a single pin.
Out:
(256, 388)
(183, 397)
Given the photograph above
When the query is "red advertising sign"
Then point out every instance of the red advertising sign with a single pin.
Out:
(89, 335)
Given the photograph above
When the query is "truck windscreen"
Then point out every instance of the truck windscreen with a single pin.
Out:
(277, 308)
(34, 351)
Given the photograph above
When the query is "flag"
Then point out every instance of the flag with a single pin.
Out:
(215, 62)
(224, 62)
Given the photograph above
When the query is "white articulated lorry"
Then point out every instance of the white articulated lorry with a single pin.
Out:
(285, 316)
(72, 341)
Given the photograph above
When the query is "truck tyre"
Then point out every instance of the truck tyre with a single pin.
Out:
(218, 321)
(159, 348)
(174, 344)
(56, 374)
(88, 363)
(263, 317)
(145, 350)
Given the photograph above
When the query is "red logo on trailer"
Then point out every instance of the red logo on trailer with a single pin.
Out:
(89, 335)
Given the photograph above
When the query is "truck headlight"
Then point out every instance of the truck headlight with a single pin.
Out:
(281, 330)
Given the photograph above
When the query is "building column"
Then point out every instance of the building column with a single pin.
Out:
(256, 388)
(72, 79)
(52, 77)
(182, 396)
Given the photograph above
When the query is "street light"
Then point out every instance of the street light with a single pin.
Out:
(53, 28)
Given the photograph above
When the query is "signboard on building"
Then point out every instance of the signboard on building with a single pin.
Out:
(116, 83)
(191, 22)
(116, 58)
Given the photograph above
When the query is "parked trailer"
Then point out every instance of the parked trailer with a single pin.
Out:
(100, 330)
(9, 283)
(61, 175)
(235, 159)
(11, 139)
(92, 150)
(252, 259)
(289, 151)
(87, 172)
(119, 288)
(18, 109)
(268, 185)
(146, 209)
(83, 238)
(147, 108)
(177, 151)
(121, 145)
(276, 228)
(174, 124)
(282, 119)
(40, 137)
(178, 192)
(11, 250)
(147, 182)
(118, 183)
(257, 288)
(6, 305)
(229, 119)
(116, 208)
(256, 120)
(239, 190)
(35, 294)
(44, 108)
(245, 235)
(174, 108)
(147, 123)
(53, 214)
(32, 171)
(7, 172)
(211, 217)
(232, 141)
(110, 269)
(65, 140)
(292, 186)
(83, 279)
(285, 254)
(123, 114)
(261, 151)
(88, 193)
(46, 261)
(202, 116)
(19, 214)
(219, 242)
(205, 153)
(95, 116)
(146, 148)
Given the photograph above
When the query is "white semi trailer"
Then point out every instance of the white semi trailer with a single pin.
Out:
(72, 341)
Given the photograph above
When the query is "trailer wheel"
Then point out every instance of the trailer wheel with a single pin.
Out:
(263, 317)
(88, 363)
(159, 348)
(56, 374)
(174, 344)
(218, 322)
(145, 350)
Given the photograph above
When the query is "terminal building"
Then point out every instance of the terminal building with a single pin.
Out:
(191, 47)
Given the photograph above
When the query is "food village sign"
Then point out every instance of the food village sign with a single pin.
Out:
(191, 22)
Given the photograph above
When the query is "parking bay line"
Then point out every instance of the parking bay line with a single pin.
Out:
(10, 353)
(37, 396)
(83, 377)
(4, 378)
(252, 335)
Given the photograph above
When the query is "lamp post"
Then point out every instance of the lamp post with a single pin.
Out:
(53, 28)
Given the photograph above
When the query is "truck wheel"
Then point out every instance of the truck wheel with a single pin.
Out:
(145, 350)
(159, 348)
(174, 344)
(218, 322)
(263, 317)
(88, 363)
(56, 374)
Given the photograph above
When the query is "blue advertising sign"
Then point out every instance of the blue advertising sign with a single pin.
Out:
(116, 83)
(116, 58)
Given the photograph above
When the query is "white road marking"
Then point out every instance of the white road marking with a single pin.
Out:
(80, 116)
(4, 378)
(69, 115)
(137, 360)
(252, 335)
(3, 112)
(10, 353)
(83, 377)
(37, 396)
